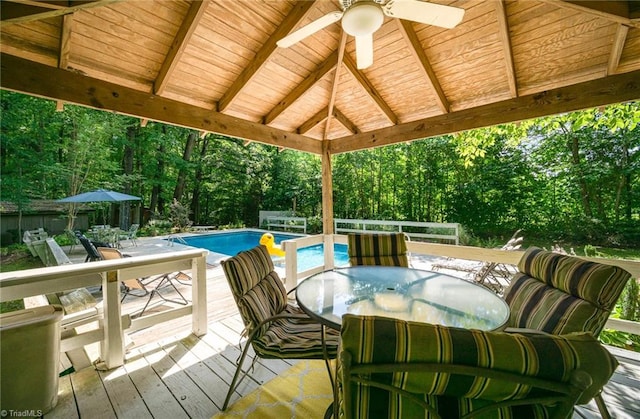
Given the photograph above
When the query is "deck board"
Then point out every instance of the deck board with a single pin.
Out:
(152, 389)
(188, 378)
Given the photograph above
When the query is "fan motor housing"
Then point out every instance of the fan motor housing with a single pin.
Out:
(362, 18)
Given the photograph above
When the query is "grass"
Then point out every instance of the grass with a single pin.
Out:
(18, 260)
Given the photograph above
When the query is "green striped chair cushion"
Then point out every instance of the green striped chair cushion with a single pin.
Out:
(260, 294)
(387, 249)
(256, 287)
(377, 340)
(561, 294)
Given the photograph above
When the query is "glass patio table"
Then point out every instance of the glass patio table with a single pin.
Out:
(401, 293)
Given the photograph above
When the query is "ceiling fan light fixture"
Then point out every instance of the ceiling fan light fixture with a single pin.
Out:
(362, 19)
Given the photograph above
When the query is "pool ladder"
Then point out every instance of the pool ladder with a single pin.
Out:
(173, 238)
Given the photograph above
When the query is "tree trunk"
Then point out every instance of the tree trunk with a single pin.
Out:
(157, 203)
(195, 199)
(182, 174)
(584, 190)
(127, 166)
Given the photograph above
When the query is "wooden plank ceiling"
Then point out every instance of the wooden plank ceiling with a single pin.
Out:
(214, 66)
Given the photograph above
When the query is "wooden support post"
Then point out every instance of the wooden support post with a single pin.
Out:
(199, 315)
(327, 204)
(112, 348)
(290, 248)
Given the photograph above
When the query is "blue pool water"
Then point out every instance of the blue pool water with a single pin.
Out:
(235, 241)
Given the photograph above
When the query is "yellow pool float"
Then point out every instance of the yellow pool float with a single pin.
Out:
(269, 242)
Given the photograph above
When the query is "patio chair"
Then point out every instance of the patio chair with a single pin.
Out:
(274, 327)
(137, 288)
(426, 370)
(558, 294)
(386, 249)
(130, 234)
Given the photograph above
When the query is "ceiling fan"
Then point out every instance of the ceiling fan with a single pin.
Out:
(361, 18)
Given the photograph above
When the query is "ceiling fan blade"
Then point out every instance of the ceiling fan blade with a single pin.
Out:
(364, 51)
(424, 12)
(309, 29)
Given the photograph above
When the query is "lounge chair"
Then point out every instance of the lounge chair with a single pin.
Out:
(137, 288)
(89, 247)
(495, 276)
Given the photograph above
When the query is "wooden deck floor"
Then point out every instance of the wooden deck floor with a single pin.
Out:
(170, 373)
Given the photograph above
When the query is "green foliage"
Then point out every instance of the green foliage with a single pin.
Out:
(156, 227)
(179, 216)
(629, 302)
(571, 178)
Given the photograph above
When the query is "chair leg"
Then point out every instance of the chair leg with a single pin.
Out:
(235, 382)
(147, 303)
(602, 407)
(170, 284)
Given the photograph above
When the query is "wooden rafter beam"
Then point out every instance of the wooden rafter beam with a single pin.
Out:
(299, 12)
(334, 84)
(314, 121)
(605, 91)
(65, 42)
(188, 26)
(505, 38)
(346, 122)
(370, 90)
(616, 49)
(65, 50)
(416, 49)
(13, 12)
(311, 80)
(613, 10)
(37, 79)
(322, 115)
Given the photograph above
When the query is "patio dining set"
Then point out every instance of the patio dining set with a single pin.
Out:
(406, 341)
(113, 236)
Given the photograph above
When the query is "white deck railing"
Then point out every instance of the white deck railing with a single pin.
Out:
(510, 257)
(416, 229)
(109, 273)
(299, 223)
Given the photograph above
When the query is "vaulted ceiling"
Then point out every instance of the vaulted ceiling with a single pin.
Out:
(214, 66)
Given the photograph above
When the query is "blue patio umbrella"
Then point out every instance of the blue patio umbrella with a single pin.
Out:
(100, 195)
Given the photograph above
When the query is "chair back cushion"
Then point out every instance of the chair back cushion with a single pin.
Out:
(256, 287)
(561, 294)
(377, 340)
(387, 249)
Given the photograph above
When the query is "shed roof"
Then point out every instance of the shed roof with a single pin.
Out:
(214, 66)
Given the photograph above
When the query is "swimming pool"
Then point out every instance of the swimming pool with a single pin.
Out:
(230, 243)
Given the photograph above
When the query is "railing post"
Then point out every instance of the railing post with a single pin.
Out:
(290, 248)
(199, 315)
(112, 347)
(329, 259)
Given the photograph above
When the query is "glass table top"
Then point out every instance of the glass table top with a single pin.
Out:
(402, 293)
